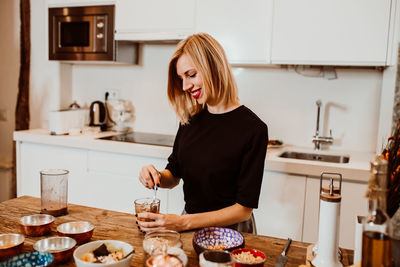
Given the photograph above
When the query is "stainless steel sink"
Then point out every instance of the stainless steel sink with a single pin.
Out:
(315, 157)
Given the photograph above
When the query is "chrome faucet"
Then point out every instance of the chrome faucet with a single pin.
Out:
(317, 139)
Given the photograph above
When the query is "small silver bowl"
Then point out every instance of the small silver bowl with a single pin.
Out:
(36, 225)
(10, 245)
(80, 231)
(61, 247)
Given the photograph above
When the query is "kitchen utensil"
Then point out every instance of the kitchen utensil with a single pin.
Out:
(36, 225)
(120, 112)
(98, 115)
(328, 226)
(54, 192)
(10, 245)
(60, 247)
(283, 258)
(80, 231)
(66, 121)
(155, 193)
(127, 255)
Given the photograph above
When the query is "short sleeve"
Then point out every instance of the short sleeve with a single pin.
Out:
(173, 163)
(252, 168)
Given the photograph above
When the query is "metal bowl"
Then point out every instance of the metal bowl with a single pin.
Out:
(61, 247)
(10, 245)
(80, 231)
(36, 225)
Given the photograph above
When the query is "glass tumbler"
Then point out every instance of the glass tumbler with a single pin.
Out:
(148, 204)
(54, 191)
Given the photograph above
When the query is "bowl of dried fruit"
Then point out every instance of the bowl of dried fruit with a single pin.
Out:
(217, 238)
(104, 253)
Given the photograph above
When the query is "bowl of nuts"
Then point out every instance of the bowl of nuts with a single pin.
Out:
(244, 257)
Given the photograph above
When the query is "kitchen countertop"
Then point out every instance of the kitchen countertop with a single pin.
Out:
(356, 170)
(121, 226)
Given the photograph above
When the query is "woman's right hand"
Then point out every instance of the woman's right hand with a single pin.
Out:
(149, 176)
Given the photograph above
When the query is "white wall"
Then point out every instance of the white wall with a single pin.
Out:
(284, 99)
(50, 81)
(9, 73)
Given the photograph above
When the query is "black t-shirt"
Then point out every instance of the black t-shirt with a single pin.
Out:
(220, 158)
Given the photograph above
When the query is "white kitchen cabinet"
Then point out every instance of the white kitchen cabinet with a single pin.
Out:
(281, 205)
(65, 3)
(242, 27)
(115, 177)
(36, 157)
(154, 19)
(97, 179)
(353, 204)
(340, 32)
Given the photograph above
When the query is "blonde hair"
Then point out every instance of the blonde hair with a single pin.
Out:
(210, 61)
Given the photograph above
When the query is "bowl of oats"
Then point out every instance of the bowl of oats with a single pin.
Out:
(217, 238)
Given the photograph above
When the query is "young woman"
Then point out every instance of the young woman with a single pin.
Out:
(219, 150)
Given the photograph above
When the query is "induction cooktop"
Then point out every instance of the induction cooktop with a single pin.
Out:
(143, 138)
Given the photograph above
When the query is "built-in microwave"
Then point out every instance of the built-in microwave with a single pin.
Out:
(86, 33)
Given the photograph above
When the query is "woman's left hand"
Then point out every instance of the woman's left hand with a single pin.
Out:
(160, 222)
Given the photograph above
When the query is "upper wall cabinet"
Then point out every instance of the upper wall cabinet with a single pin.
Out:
(242, 27)
(154, 19)
(68, 3)
(340, 32)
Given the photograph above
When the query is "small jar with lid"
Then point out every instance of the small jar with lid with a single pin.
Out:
(158, 242)
(161, 260)
(165, 242)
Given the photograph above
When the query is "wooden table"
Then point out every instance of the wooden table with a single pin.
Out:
(122, 226)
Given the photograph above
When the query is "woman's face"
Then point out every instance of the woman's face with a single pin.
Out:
(192, 81)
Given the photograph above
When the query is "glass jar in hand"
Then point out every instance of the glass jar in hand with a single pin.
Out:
(147, 205)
